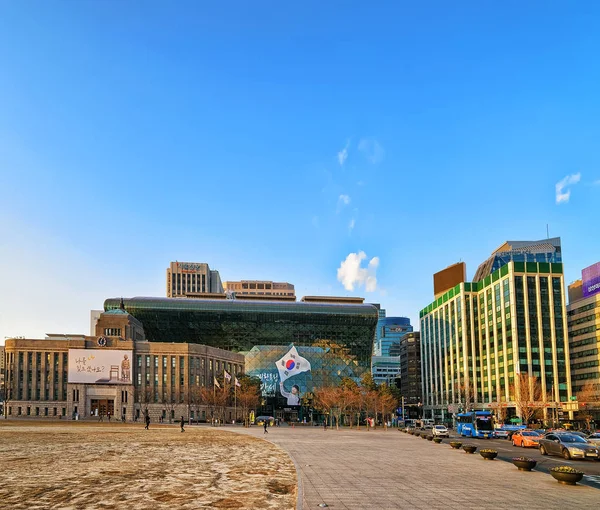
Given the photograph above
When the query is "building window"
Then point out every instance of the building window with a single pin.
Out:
(112, 331)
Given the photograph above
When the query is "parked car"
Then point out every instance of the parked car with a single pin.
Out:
(568, 446)
(261, 419)
(525, 438)
(579, 433)
(594, 439)
(502, 433)
(440, 431)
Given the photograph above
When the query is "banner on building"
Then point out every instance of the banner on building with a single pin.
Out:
(591, 280)
(100, 366)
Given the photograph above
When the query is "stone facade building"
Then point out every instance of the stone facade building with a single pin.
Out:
(116, 371)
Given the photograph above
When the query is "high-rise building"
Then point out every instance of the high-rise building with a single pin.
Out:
(410, 372)
(261, 289)
(385, 369)
(478, 336)
(584, 329)
(192, 279)
(389, 332)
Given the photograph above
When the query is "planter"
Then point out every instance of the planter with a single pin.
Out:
(423, 435)
(456, 445)
(469, 448)
(416, 434)
(437, 440)
(488, 454)
(566, 475)
(429, 438)
(524, 464)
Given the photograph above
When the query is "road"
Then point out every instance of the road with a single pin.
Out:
(506, 451)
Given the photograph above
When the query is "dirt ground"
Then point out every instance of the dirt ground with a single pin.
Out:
(102, 465)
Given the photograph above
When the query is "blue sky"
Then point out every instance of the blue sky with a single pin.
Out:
(273, 141)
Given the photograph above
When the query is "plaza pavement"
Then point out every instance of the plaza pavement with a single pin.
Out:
(350, 469)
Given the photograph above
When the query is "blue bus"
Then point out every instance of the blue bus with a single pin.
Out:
(475, 424)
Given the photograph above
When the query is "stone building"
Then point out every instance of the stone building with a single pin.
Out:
(117, 371)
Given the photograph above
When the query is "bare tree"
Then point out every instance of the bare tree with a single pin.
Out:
(144, 396)
(465, 394)
(589, 400)
(387, 403)
(500, 411)
(169, 401)
(248, 397)
(528, 396)
(195, 399)
(326, 400)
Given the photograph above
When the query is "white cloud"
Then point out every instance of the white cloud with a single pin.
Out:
(596, 183)
(563, 195)
(343, 201)
(351, 274)
(343, 154)
(372, 150)
(351, 224)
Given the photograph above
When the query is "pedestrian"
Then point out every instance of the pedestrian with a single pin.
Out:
(182, 424)
(325, 424)
(265, 425)
(147, 419)
(108, 415)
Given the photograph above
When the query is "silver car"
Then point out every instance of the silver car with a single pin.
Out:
(594, 439)
(440, 431)
(569, 446)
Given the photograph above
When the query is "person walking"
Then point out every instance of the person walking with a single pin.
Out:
(182, 424)
(147, 419)
(265, 425)
(108, 415)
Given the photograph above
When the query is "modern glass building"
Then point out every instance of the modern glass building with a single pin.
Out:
(477, 335)
(389, 332)
(335, 338)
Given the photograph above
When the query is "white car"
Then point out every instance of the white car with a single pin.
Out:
(440, 431)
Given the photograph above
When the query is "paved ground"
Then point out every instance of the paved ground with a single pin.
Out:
(389, 469)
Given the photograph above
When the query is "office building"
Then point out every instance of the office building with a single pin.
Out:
(410, 372)
(389, 332)
(584, 331)
(334, 337)
(477, 336)
(261, 289)
(385, 369)
(192, 279)
(115, 371)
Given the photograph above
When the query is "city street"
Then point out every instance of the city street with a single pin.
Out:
(506, 451)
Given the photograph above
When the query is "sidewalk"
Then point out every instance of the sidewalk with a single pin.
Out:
(350, 469)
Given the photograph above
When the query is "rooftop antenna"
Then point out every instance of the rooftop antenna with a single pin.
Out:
(547, 232)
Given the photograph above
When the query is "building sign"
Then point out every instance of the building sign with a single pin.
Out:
(190, 267)
(100, 366)
(591, 280)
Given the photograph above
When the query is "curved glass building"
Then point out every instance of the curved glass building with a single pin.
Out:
(334, 340)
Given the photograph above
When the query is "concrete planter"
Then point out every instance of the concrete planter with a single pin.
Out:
(524, 464)
(469, 448)
(456, 445)
(437, 440)
(567, 478)
(488, 454)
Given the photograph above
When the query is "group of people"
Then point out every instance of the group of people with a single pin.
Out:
(147, 421)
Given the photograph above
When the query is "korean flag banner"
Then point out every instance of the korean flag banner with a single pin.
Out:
(292, 364)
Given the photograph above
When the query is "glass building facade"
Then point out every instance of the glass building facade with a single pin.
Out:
(480, 334)
(335, 338)
(389, 332)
